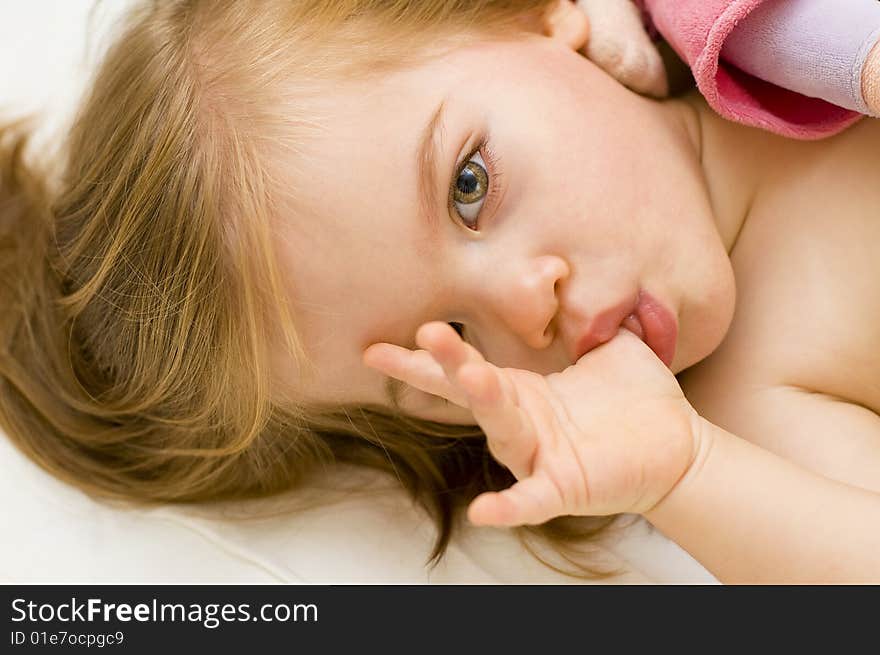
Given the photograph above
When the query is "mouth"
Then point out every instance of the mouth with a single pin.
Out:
(646, 317)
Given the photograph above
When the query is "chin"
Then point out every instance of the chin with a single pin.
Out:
(703, 328)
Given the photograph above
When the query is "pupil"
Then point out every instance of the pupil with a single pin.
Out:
(467, 182)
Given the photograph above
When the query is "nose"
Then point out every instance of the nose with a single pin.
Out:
(526, 298)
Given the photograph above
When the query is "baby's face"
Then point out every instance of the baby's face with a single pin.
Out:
(510, 187)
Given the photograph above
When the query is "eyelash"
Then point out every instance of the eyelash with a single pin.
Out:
(458, 327)
(493, 164)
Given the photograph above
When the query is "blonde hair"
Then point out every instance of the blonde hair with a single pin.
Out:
(142, 295)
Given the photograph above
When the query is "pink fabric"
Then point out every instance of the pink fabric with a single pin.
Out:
(697, 30)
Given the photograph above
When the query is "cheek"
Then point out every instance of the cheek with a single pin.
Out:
(707, 307)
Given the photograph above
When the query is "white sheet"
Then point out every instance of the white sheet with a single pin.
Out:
(52, 533)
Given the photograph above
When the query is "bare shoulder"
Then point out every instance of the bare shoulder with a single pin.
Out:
(801, 363)
(807, 267)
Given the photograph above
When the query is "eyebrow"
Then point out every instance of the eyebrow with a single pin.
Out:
(427, 167)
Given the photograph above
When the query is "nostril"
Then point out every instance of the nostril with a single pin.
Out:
(557, 284)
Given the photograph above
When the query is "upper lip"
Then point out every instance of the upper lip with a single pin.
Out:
(601, 328)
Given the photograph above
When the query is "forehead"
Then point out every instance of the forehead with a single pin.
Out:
(370, 129)
(352, 235)
(356, 252)
(347, 104)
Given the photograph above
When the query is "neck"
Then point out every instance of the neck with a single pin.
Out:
(730, 157)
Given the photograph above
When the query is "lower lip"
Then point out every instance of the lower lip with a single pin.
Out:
(655, 325)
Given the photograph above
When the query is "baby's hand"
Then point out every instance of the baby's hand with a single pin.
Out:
(620, 46)
(612, 433)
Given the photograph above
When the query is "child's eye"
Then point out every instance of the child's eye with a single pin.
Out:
(469, 190)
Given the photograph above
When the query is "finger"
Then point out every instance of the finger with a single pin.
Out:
(452, 352)
(510, 433)
(447, 347)
(417, 368)
(491, 396)
(528, 502)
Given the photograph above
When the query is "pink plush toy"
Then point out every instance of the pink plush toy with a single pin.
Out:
(800, 68)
